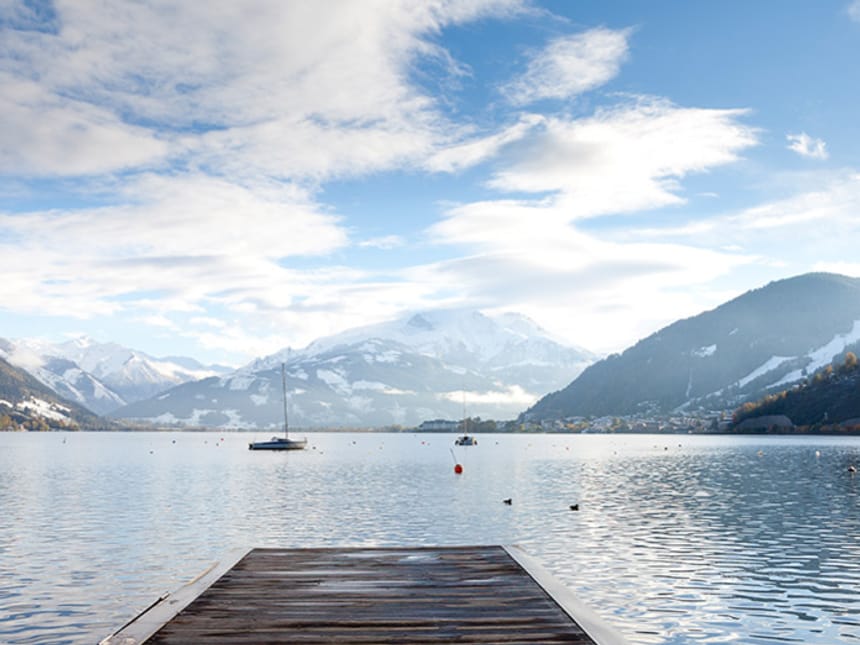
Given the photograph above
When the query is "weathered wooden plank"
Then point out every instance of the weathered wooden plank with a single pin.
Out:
(361, 595)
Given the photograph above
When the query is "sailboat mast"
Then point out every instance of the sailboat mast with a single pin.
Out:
(284, 385)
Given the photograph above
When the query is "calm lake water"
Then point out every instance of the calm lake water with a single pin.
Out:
(679, 539)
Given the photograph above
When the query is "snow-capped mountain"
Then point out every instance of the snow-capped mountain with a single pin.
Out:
(101, 376)
(133, 374)
(402, 372)
(466, 338)
(763, 341)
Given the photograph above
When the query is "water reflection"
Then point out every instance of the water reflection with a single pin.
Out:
(677, 540)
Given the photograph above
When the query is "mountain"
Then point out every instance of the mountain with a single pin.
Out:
(764, 340)
(396, 373)
(26, 403)
(101, 376)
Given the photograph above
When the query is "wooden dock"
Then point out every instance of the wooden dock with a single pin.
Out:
(485, 594)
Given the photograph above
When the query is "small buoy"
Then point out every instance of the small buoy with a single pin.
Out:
(574, 507)
(508, 501)
(458, 469)
(852, 469)
(817, 454)
(760, 453)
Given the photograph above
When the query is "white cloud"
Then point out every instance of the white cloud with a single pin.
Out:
(512, 395)
(289, 89)
(854, 10)
(832, 208)
(207, 321)
(385, 242)
(584, 287)
(279, 96)
(571, 65)
(811, 230)
(45, 134)
(807, 146)
(464, 155)
(533, 254)
(603, 296)
(177, 241)
(185, 217)
(159, 321)
(845, 268)
(625, 159)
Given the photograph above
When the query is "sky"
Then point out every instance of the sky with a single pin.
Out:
(223, 180)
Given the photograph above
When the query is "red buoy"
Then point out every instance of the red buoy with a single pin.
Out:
(458, 469)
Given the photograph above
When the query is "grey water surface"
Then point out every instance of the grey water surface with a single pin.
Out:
(679, 539)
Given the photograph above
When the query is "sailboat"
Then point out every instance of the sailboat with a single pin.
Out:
(465, 439)
(281, 443)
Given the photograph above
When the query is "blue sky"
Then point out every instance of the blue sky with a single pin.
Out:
(223, 180)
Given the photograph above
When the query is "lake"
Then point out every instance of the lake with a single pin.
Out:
(679, 539)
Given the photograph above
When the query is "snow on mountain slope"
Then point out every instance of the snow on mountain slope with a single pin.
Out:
(122, 366)
(454, 335)
(400, 372)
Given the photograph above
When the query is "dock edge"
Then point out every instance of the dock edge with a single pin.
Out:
(592, 624)
(146, 623)
(150, 620)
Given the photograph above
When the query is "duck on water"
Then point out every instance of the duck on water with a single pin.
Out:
(281, 443)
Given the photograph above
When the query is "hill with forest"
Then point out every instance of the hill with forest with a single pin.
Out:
(758, 343)
(27, 404)
(831, 397)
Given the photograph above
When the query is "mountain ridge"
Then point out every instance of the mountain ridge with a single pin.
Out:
(761, 340)
(100, 376)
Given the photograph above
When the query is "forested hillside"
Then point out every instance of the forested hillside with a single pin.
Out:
(831, 397)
